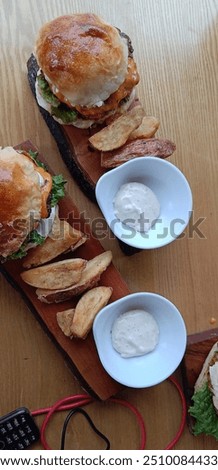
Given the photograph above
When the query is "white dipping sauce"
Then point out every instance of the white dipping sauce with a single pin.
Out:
(136, 206)
(135, 333)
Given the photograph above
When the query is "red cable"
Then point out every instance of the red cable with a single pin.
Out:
(138, 416)
(184, 413)
(65, 403)
(74, 401)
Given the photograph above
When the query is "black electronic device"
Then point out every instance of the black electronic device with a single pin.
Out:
(18, 430)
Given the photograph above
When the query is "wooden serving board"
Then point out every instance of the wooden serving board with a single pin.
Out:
(198, 347)
(82, 161)
(81, 355)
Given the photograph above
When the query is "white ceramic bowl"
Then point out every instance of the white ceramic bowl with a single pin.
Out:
(171, 188)
(154, 367)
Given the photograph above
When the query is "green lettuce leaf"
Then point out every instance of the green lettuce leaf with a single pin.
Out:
(58, 190)
(58, 109)
(67, 115)
(18, 254)
(46, 91)
(206, 419)
(33, 237)
(34, 156)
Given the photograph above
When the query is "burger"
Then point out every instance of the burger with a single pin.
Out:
(205, 398)
(29, 196)
(86, 69)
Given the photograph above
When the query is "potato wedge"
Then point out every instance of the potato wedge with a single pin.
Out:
(116, 134)
(79, 243)
(147, 128)
(57, 275)
(64, 320)
(62, 238)
(87, 308)
(90, 276)
(137, 148)
(113, 117)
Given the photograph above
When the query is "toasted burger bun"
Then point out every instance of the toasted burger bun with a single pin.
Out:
(83, 57)
(88, 66)
(23, 199)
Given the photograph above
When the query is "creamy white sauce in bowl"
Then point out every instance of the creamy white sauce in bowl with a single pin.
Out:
(137, 206)
(147, 369)
(169, 186)
(135, 333)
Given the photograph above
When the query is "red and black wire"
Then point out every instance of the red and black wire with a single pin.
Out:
(76, 403)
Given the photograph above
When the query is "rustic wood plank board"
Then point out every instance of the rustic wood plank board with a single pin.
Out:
(81, 355)
(198, 347)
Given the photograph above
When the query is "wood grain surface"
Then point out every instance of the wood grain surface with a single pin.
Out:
(176, 49)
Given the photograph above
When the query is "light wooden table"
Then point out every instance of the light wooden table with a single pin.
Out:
(175, 44)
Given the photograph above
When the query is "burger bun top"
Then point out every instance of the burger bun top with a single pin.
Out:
(82, 57)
